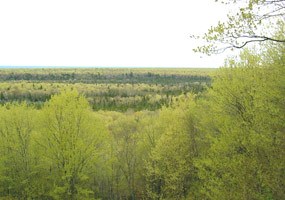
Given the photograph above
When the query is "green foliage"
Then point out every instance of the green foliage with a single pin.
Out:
(246, 131)
(250, 21)
(225, 143)
(18, 169)
(169, 169)
(71, 141)
(125, 135)
(136, 89)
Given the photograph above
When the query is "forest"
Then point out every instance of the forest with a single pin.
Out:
(158, 134)
(105, 88)
(225, 141)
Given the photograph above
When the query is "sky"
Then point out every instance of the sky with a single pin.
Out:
(106, 33)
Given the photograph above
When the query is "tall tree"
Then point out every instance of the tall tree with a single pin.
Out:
(246, 130)
(71, 142)
(170, 172)
(125, 135)
(18, 156)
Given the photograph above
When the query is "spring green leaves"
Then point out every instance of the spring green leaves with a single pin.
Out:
(253, 21)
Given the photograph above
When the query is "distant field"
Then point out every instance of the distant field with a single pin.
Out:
(117, 89)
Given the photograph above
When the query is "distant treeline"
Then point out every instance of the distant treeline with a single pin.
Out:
(150, 76)
(105, 89)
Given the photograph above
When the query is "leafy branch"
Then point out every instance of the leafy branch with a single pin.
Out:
(246, 26)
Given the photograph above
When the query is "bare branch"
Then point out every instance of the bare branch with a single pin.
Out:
(254, 38)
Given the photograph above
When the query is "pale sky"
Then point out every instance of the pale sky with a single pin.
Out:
(106, 33)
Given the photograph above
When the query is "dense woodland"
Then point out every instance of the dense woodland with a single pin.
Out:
(105, 89)
(128, 134)
(226, 142)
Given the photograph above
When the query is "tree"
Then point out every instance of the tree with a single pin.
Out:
(254, 21)
(125, 135)
(71, 142)
(169, 170)
(18, 158)
(245, 128)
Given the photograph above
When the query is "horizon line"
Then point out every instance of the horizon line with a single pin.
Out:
(65, 66)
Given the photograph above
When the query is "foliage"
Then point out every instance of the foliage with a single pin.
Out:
(246, 131)
(251, 21)
(224, 143)
(71, 143)
(19, 169)
(169, 168)
(105, 89)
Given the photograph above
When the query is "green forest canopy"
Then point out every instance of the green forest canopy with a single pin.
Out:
(224, 139)
(225, 142)
(105, 89)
